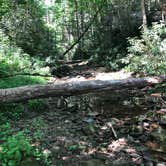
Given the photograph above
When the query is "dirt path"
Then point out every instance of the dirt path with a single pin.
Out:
(83, 71)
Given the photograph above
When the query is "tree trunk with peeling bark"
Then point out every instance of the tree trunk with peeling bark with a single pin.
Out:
(24, 93)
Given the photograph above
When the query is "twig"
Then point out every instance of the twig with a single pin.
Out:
(113, 130)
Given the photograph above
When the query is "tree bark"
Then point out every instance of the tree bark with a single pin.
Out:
(74, 88)
(144, 17)
(164, 11)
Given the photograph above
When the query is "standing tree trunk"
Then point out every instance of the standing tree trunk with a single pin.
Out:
(144, 17)
(164, 11)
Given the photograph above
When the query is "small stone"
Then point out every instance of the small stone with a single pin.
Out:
(47, 152)
(161, 164)
(145, 124)
(93, 113)
(67, 121)
(88, 120)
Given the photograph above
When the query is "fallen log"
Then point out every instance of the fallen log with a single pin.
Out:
(24, 93)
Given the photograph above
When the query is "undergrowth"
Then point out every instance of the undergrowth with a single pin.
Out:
(147, 54)
(17, 81)
(17, 149)
(16, 146)
(13, 60)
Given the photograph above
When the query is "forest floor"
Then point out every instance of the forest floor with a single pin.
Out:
(98, 129)
(82, 71)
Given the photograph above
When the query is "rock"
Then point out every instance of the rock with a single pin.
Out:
(161, 164)
(88, 120)
(47, 152)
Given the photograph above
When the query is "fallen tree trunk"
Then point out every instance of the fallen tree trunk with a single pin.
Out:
(74, 88)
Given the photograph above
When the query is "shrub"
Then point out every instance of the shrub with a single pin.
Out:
(17, 149)
(13, 60)
(14, 149)
(10, 112)
(36, 105)
(148, 54)
(5, 130)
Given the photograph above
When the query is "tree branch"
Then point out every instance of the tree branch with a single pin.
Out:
(82, 35)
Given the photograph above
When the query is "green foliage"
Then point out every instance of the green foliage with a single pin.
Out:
(148, 54)
(161, 88)
(38, 123)
(14, 149)
(4, 7)
(14, 112)
(13, 60)
(36, 105)
(10, 112)
(38, 134)
(110, 58)
(20, 81)
(23, 22)
(17, 150)
(5, 130)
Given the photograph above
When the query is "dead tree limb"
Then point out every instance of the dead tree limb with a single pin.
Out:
(84, 32)
(24, 93)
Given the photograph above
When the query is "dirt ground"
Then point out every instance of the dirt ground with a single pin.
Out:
(99, 129)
